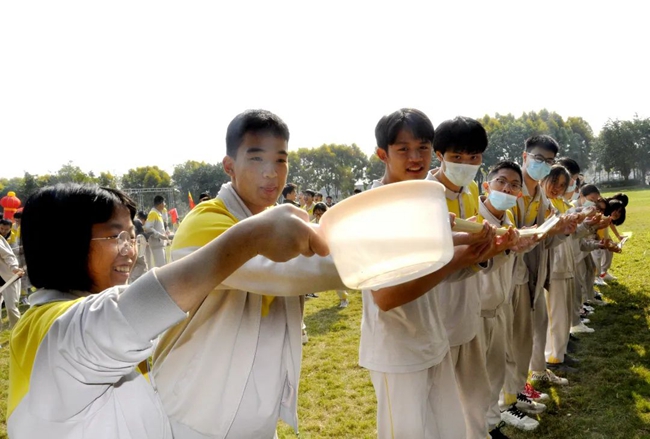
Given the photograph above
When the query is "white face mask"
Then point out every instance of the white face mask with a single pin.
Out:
(588, 203)
(460, 174)
(575, 196)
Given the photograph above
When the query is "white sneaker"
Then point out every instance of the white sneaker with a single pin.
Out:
(305, 337)
(515, 417)
(344, 303)
(588, 308)
(548, 377)
(598, 281)
(582, 329)
(585, 321)
(527, 405)
(607, 276)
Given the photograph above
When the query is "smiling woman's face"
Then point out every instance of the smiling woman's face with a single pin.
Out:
(106, 266)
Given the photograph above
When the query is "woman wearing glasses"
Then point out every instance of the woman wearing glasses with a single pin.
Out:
(78, 357)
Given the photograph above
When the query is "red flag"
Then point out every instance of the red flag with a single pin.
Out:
(191, 201)
(173, 213)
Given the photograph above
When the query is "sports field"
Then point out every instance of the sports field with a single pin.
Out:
(608, 398)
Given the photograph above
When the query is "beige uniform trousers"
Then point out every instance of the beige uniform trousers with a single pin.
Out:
(559, 304)
(11, 296)
(493, 334)
(473, 385)
(579, 292)
(540, 329)
(519, 339)
(419, 405)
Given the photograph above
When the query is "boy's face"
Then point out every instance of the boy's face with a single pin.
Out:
(406, 159)
(259, 172)
(308, 199)
(538, 154)
(291, 196)
(4, 229)
(506, 181)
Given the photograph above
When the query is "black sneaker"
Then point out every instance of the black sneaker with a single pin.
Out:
(561, 367)
(570, 361)
(314, 295)
(496, 433)
(573, 337)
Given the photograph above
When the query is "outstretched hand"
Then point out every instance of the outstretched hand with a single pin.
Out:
(285, 232)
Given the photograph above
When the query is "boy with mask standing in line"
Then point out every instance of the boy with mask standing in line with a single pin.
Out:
(459, 145)
(503, 186)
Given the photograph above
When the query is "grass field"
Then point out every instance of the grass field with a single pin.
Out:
(609, 398)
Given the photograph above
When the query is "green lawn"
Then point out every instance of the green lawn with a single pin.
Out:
(609, 398)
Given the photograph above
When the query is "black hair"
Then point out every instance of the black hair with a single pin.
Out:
(460, 134)
(289, 189)
(614, 205)
(310, 192)
(543, 141)
(60, 261)
(357, 191)
(589, 189)
(204, 196)
(254, 122)
(18, 215)
(553, 177)
(5, 222)
(329, 196)
(410, 119)
(505, 164)
(141, 214)
(158, 199)
(320, 206)
(620, 197)
(571, 165)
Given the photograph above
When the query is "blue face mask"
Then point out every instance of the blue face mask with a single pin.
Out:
(537, 171)
(501, 200)
(571, 188)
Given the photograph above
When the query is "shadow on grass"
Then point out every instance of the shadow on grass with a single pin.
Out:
(610, 395)
(325, 320)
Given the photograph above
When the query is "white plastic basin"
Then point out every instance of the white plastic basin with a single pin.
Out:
(389, 235)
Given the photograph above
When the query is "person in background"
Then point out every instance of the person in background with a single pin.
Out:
(156, 227)
(289, 193)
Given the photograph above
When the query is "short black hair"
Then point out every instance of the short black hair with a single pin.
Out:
(289, 189)
(310, 192)
(357, 191)
(18, 215)
(554, 175)
(320, 206)
(141, 214)
(613, 205)
(61, 262)
(619, 196)
(410, 119)
(254, 122)
(329, 196)
(505, 164)
(158, 199)
(460, 134)
(571, 165)
(204, 195)
(589, 189)
(543, 141)
(5, 222)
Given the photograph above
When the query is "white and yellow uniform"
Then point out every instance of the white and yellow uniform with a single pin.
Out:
(527, 309)
(77, 363)
(460, 305)
(407, 353)
(496, 290)
(155, 226)
(232, 369)
(560, 294)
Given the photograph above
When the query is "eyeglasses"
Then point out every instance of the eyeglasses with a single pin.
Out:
(501, 183)
(541, 159)
(124, 241)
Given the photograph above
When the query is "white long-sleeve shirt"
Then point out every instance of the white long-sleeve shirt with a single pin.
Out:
(73, 371)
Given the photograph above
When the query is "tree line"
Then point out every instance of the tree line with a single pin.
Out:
(622, 148)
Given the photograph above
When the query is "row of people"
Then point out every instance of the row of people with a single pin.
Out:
(440, 349)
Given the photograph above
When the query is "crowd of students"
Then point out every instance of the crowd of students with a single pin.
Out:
(449, 354)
